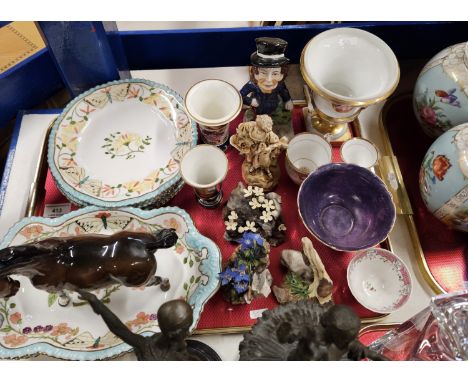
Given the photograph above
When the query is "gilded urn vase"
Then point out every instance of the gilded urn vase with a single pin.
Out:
(440, 97)
(443, 178)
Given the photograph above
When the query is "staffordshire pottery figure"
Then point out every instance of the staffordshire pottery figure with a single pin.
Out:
(266, 92)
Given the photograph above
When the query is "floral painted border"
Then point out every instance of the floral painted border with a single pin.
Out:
(400, 269)
(192, 242)
(72, 179)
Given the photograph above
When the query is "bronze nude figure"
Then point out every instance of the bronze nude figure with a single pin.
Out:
(174, 318)
(85, 262)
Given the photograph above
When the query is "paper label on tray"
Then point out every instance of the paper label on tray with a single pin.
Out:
(56, 210)
(392, 180)
(254, 314)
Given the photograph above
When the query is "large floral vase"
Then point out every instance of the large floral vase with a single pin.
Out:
(443, 178)
(440, 97)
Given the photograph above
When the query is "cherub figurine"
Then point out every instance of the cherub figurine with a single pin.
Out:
(261, 147)
(266, 92)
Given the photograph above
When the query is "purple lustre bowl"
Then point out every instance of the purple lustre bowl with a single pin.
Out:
(346, 207)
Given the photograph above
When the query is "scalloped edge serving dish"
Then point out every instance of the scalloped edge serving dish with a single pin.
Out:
(32, 322)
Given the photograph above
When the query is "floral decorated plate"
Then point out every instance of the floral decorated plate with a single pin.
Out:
(119, 144)
(33, 322)
(379, 280)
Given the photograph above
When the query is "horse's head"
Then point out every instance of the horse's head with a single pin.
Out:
(164, 238)
(8, 287)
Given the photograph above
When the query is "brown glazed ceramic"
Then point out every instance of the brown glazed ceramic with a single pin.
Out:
(85, 262)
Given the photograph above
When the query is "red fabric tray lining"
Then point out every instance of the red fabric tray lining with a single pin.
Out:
(218, 313)
(445, 250)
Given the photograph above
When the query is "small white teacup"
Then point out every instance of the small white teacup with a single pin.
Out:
(204, 168)
(359, 151)
(306, 152)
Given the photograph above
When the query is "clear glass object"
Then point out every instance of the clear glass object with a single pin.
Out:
(438, 333)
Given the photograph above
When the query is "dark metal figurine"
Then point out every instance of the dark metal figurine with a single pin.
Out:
(174, 318)
(306, 331)
(86, 262)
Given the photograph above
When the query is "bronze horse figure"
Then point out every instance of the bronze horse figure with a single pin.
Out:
(85, 262)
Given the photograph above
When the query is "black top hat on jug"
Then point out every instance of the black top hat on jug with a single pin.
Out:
(270, 52)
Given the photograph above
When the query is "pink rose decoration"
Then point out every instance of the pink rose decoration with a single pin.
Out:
(14, 340)
(428, 115)
(141, 319)
(15, 318)
(31, 231)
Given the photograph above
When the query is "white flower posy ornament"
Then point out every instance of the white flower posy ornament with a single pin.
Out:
(233, 215)
(250, 210)
(254, 203)
(248, 191)
(249, 226)
(257, 191)
(231, 224)
(268, 205)
(266, 216)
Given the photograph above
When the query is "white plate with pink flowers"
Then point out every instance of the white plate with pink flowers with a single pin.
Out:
(33, 322)
(120, 143)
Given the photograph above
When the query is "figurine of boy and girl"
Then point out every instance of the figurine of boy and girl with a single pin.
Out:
(261, 148)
